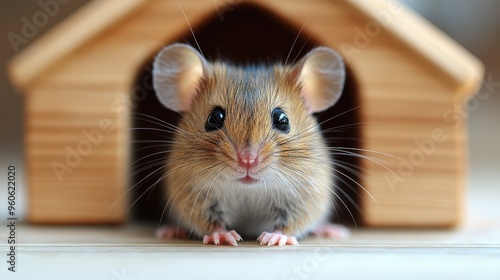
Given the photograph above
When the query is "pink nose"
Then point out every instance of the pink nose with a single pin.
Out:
(248, 158)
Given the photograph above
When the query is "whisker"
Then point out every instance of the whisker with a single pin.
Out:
(165, 147)
(170, 128)
(147, 156)
(362, 150)
(190, 28)
(280, 84)
(358, 184)
(131, 188)
(340, 114)
(347, 153)
(348, 167)
(156, 121)
(330, 189)
(161, 121)
(147, 166)
(338, 128)
(295, 41)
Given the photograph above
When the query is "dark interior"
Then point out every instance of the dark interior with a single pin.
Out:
(245, 35)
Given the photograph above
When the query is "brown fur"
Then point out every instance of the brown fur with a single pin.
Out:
(249, 95)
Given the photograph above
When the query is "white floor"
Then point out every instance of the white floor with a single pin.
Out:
(310, 261)
(131, 252)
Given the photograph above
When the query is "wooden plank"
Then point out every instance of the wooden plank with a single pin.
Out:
(83, 172)
(414, 208)
(76, 30)
(424, 38)
(415, 191)
(99, 61)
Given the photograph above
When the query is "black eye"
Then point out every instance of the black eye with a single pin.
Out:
(280, 120)
(215, 120)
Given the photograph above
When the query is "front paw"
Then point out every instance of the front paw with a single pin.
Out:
(276, 238)
(221, 236)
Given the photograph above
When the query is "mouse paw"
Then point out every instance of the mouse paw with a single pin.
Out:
(276, 238)
(334, 231)
(169, 232)
(221, 236)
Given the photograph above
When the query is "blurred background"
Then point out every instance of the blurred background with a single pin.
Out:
(473, 24)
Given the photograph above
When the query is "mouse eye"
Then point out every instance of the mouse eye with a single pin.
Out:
(280, 120)
(215, 120)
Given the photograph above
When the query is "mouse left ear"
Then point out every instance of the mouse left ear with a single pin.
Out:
(320, 75)
(177, 71)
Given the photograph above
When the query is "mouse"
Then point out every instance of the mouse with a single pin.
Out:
(247, 157)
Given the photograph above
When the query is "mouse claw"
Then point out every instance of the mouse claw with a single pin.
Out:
(276, 238)
(220, 236)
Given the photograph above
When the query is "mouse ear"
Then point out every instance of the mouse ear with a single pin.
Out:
(177, 70)
(320, 75)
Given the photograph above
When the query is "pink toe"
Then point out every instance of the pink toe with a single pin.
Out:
(283, 240)
(220, 236)
(235, 235)
(274, 239)
(230, 239)
(216, 238)
(261, 236)
(292, 241)
(266, 238)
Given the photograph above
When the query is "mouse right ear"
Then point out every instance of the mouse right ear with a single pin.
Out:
(177, 70)
(321, 76)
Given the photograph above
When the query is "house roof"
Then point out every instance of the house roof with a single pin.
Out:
(427, 40)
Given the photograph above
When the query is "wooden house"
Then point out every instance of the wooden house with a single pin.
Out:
(408, 79)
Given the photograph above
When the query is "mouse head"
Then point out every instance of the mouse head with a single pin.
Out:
(246, 123)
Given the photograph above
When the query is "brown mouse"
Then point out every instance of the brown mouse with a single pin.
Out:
(248, 157)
